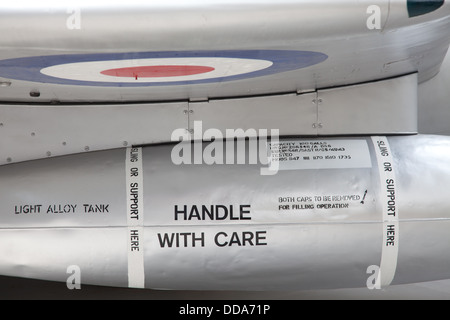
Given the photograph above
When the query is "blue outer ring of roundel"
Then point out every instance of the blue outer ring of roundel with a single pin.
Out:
(28, 69)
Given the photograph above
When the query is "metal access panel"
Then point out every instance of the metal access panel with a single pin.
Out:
(382, 107)
(30, 132)
(41, 131)
(291, 114)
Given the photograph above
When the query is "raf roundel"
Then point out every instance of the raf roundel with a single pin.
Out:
(140, 69)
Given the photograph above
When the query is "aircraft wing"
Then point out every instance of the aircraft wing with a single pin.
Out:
(139, 71)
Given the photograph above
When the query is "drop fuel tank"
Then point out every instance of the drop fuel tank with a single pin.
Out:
(336, 212)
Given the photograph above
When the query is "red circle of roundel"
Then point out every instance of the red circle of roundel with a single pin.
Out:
(157, 71)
